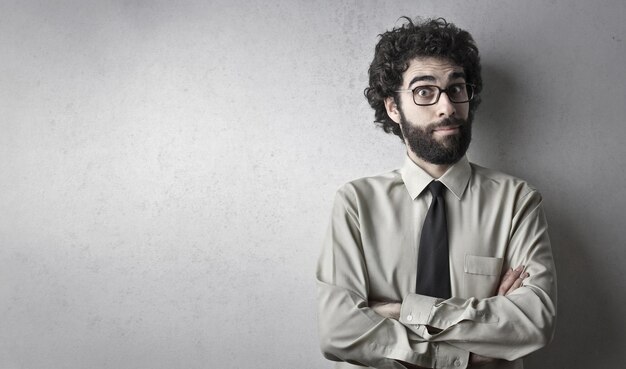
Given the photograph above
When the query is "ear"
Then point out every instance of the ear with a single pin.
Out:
(392, 109)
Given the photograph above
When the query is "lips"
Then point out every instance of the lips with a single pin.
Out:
(447, 130)
(447, 126)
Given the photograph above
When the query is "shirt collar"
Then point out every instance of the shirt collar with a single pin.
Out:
(455, 178)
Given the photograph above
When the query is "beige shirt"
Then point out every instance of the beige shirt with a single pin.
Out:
(495, 222)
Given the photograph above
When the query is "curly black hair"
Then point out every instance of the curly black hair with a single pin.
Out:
(419, 38)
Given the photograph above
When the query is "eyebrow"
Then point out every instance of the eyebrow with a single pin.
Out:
(429, 78)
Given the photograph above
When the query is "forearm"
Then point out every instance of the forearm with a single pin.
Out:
(444, 354)
(500, 327)
(351, 331)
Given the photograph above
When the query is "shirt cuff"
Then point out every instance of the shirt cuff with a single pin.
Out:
(416, 309)
(450, 357)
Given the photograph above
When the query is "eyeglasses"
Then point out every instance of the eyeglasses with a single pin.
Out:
(458, 93)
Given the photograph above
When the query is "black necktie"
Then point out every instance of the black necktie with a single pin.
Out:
(433, 270)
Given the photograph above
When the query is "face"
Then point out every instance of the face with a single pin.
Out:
(439, 133)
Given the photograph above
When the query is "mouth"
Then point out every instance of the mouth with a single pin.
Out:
(447, 130)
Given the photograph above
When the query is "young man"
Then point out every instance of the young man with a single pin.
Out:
(441, 263)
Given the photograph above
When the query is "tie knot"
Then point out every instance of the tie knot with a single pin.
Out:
(436, 188)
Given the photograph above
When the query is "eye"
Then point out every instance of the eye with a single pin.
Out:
(457, 90)
(424, 92)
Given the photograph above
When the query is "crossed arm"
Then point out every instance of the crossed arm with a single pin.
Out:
(511, 280)
(426, 331)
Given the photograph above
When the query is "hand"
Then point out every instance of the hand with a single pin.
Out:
(512, 280)
(477, 360)
(389, 310)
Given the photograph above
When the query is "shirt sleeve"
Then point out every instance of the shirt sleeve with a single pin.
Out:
(349, 330)
(503, 327)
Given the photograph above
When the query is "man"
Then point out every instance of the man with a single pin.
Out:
(442, 263)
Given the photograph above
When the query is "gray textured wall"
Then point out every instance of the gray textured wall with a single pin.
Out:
(167, 169)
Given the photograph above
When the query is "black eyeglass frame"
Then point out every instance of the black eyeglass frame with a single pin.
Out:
(469, 87)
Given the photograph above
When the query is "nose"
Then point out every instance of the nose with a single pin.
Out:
(445, 107)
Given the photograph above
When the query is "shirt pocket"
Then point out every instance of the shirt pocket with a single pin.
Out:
(482, 276)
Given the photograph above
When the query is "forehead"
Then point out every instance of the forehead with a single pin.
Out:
(441, 70)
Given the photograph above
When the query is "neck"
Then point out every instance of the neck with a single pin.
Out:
(434, 170)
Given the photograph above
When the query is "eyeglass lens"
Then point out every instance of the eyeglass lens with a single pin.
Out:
(457, 93)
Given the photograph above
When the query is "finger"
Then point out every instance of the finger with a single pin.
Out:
(480, 360)
(379, 309)
(518, 282)
(508, 279)
(505, 282)
(507, 274)
(387, 310)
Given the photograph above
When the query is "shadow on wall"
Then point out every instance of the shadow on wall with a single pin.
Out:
(495, 125)
(585, 334)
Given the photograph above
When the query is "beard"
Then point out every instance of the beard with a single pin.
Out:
(448, 150)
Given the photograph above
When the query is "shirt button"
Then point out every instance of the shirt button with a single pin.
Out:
(409, 318)
(457, 362)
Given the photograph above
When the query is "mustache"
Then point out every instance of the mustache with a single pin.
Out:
(447, 122)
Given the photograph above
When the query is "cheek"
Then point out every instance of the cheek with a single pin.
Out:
(463, 111)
